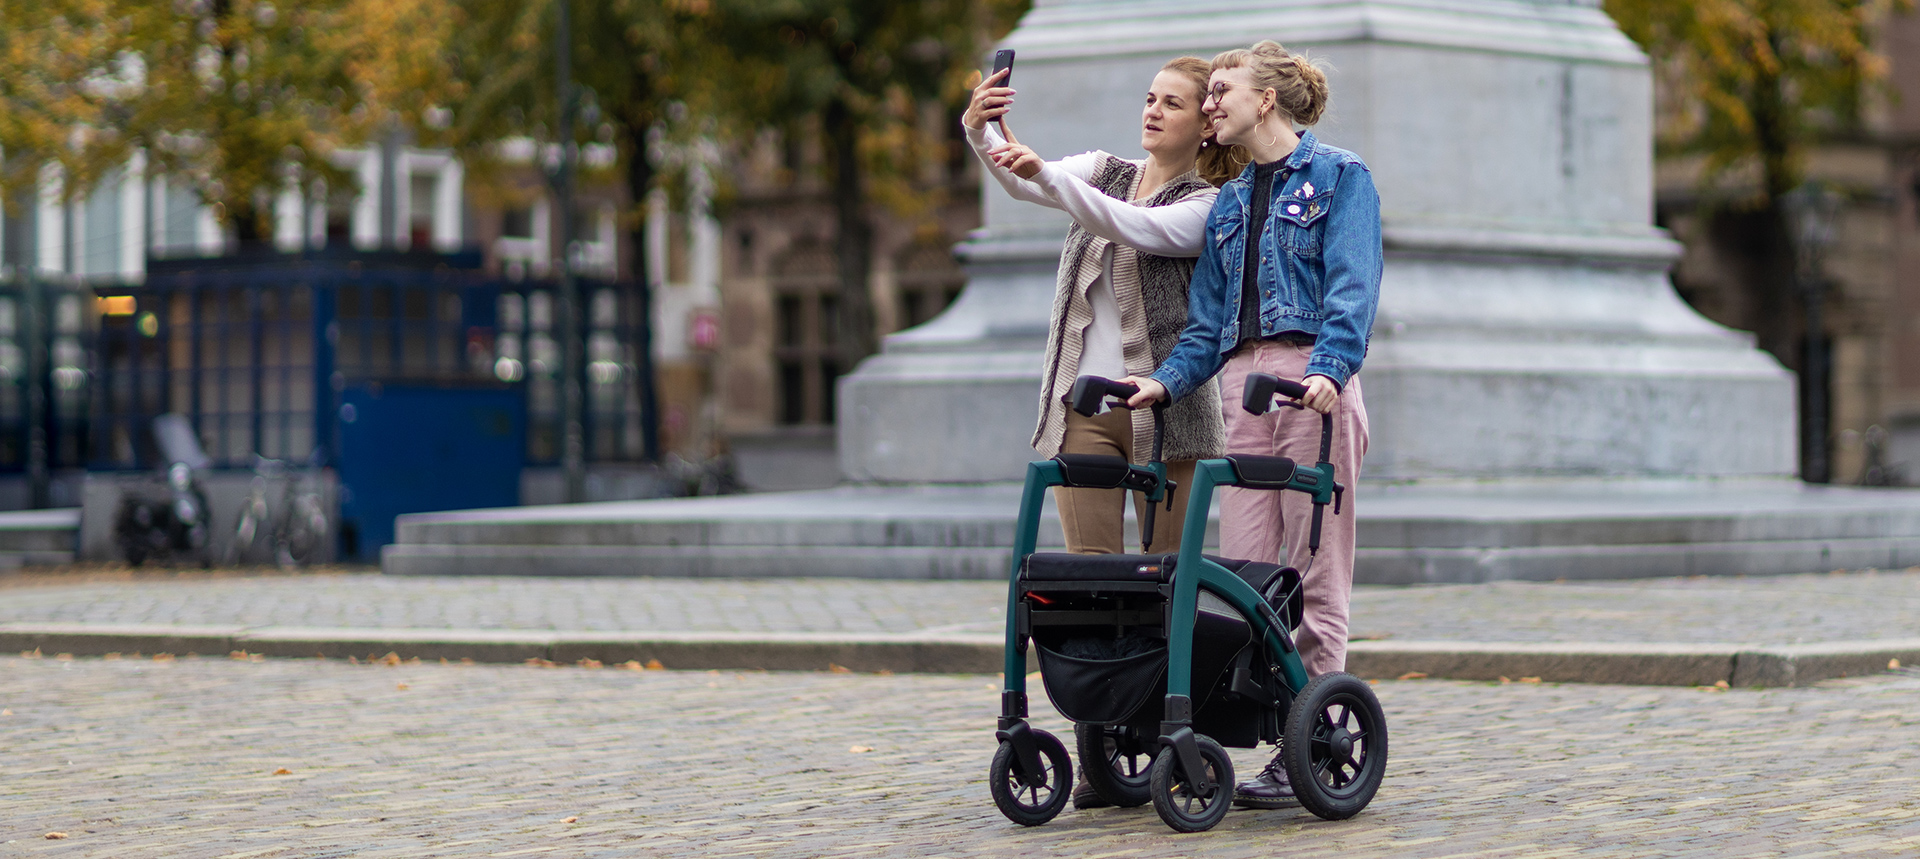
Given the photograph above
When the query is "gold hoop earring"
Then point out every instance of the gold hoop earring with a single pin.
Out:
(1275, 141)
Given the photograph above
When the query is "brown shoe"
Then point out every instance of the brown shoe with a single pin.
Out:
(1269, 789)
(1084, 796)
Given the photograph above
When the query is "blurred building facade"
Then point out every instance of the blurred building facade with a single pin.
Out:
(1871, 298)
(90, 259)
(779, 359)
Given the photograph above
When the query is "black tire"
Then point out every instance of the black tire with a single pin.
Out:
(1026, 804)
(1115, 763)
(1335, 745)
(1178, 806)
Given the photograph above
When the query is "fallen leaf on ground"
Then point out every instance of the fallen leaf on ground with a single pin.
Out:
(30, 654)
(163, 657)
(56, 836)
(537, 662)
(1721, 684)
(860, 750)
(885, 672)
(654, 665)
(1529, 679)
(391, 658)
(110, 657)
(1504, 680)
(64, 657)
(589, 663)
(402, 687)
(283, 771)
(1893, 665)
(633, 665)
(239, 655)
(571, 820)
(466, 660)
(1414, 675)
(838, 669)
(6, 712)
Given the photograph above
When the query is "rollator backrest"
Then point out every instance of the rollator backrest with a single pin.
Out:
(1263, 472)
(1093, 470)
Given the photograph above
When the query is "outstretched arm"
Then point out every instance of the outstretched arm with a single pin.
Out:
(1174, 230)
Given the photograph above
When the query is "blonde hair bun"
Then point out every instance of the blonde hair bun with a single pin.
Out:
(1299, 82)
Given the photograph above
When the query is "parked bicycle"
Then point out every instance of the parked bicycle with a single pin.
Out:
(290, 532)
(170, 522)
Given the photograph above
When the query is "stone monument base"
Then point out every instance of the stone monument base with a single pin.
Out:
(1431, 532)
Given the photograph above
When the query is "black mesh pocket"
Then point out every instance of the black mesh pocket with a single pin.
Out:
(1101, 690)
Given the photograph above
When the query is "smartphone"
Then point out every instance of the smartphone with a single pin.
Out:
(1003, 60)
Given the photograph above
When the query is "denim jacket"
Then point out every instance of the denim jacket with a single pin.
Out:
(1319, 269)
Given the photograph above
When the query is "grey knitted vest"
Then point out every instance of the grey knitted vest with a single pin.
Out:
(1149, 289)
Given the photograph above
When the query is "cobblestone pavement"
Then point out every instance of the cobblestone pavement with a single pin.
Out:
(1757, 610)
(220, 758)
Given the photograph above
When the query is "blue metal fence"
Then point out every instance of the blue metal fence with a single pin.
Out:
(256, 352)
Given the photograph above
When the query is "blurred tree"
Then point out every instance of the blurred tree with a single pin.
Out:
(857, 70)
(1752, 83)
(863, 69)
(1750, 86)
(238, 98)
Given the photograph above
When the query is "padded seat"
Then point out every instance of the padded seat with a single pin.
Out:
(1067, 567)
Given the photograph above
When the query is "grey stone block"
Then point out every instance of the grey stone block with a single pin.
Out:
(1806, 664)
(1582, 662)
(956, 655)
(452, 645)
(95, 640)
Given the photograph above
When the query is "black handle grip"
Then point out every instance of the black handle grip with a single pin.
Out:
(1261, 387)
(1089, 391)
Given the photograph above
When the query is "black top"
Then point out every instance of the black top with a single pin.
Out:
(1263, 179)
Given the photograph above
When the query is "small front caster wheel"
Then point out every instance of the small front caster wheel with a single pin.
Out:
(1335, 745)
(1115, 762)
(1036, 800)
(1175, 797)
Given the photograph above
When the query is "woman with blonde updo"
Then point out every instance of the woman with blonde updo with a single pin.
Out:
(1287, 284)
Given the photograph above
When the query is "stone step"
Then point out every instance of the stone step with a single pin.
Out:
(36, 537)
(1429, 532)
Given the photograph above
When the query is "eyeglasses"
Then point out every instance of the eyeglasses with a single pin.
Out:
(1219, 90)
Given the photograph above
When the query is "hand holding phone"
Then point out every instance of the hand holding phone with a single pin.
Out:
(992, 97)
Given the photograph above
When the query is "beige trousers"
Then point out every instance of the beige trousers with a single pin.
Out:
(1094, 519)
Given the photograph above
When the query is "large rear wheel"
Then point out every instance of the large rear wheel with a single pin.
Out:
(1335, 745)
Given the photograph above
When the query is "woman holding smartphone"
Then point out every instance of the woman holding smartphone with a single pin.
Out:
(1287, 284)
(1121, 296)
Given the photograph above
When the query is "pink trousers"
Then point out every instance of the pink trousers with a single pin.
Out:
(1262, 525)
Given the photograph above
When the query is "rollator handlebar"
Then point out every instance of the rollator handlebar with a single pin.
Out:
(1261, 387)
(1088, 391)
(1257, 398)
(1086, 396)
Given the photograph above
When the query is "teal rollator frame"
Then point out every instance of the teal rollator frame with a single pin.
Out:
(1210, 637)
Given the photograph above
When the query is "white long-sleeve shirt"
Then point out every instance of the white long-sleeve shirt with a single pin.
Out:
(1175, 230)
